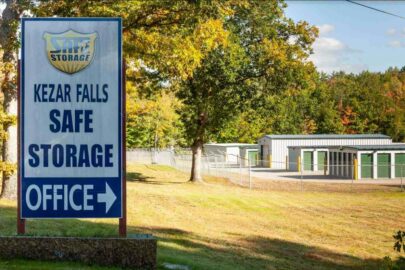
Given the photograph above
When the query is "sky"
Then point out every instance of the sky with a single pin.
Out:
(353, 38)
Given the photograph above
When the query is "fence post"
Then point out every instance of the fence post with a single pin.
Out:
(355, 169)
(250, 176)
(298, 163)
(216, 165)
(286, 163)
(352, 182)
(402, 175)
(240, 170)
(302, 179)
(270, 160)
(325, 165)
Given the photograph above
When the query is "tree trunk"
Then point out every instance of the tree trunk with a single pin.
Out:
(196, 161)
(197, 146)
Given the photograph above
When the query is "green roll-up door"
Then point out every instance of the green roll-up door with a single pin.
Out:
(308, 160)
(321, 160)
(252, 157)
(366, 165)
(384, 165)
(399, 165)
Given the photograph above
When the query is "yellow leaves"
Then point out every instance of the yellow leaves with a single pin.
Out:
(281, 50)
(7, 67)
(151, 119)
(177, 52)
(309, 126)
(275, 49)
(7, 72)
(9, 168)
(209, 35)
(8, 120)
(226, 8)
(188, 52)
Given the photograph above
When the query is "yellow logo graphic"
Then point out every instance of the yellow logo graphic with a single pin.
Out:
(70, 51)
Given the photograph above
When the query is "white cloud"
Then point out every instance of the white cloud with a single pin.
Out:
(391, 32)
(325, 29)
(328, 44)
(395, 44)
(331, 54)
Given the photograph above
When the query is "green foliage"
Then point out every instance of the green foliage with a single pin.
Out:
(389, 264)
(400, 241)
(239, 69)
(164, 42)
(265, 55)
(339, 103)
(369, 102)
(9, 42)
(168, 37)
(153, 121)
(245, 127)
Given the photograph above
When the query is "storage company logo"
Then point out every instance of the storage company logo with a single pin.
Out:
(70, 51)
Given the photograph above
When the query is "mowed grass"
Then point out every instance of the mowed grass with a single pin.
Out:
(220, 226)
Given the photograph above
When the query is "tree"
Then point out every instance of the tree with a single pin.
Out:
(351, 97)
(245, 127)
(163, 39)
(9, 44)
(266, 53)
(152, 121)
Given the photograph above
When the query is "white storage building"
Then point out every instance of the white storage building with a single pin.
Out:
(273, 149)
(231, 152)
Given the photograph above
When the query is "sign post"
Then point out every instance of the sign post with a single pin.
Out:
(71, 120)
(20, 222)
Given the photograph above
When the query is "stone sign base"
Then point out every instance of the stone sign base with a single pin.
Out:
(135, 251)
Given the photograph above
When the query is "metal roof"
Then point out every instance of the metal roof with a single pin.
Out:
(394, 146)
(328, 136)
(232, 145)
(313, 146)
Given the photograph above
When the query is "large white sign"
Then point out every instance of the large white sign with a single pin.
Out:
(71, 118)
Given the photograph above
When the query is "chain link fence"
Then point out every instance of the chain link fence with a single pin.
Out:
(280, 175)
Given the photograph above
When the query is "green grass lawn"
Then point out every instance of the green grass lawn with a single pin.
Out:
(220, 226)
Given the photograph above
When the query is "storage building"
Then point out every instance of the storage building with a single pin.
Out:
(310, 158)
(367, 161)
(231, 152)
(273, 149)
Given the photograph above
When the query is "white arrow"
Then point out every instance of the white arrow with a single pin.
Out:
(108, 198)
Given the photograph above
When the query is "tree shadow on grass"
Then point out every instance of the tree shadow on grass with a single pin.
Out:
(140, 178)
(253, 252)
(199, 251)
(137, 177)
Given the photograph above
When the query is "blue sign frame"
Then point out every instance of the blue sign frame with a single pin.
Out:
(103, 186)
